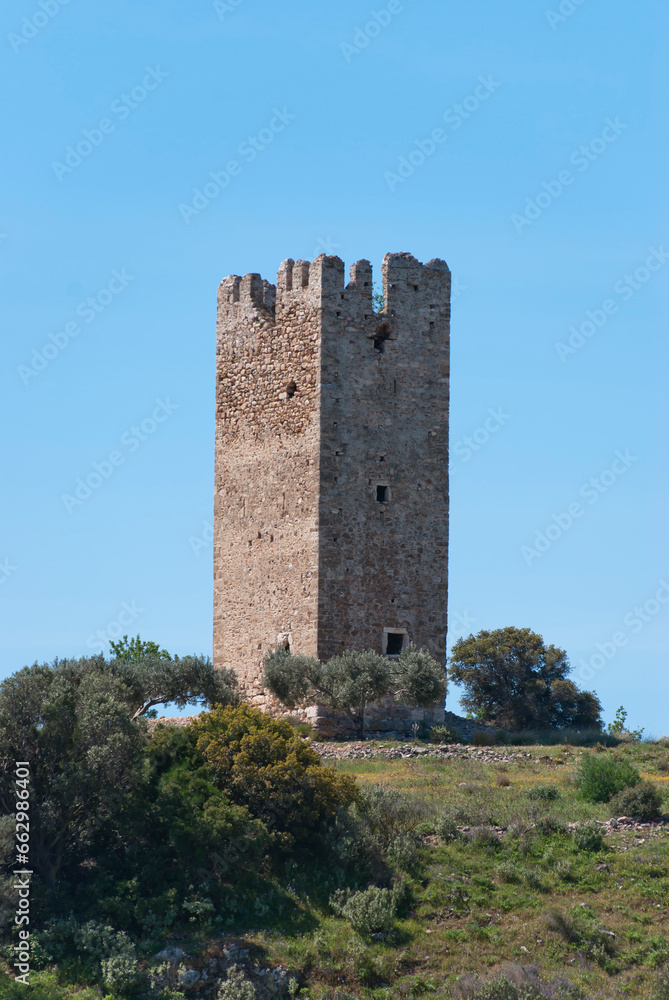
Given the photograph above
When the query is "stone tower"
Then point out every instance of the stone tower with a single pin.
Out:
(331, 496)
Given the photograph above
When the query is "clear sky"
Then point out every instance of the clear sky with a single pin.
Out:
(149, 149)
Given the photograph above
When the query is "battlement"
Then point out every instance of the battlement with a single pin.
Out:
(409, 288)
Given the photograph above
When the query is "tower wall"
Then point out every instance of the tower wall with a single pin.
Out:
(306, 547)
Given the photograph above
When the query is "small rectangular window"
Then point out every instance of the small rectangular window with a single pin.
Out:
(382, 494)
(394, 647)
(394, 641)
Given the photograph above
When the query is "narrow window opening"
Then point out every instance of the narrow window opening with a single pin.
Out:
(380, 336)
(395, 641)
(415, 288)
(382, 494)
(291, 389)
(394, 387)
(382, 458)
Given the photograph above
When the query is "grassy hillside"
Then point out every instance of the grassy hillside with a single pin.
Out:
(500, 878)
(488, 862)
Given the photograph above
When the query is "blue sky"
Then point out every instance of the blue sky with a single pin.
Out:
(524, 143)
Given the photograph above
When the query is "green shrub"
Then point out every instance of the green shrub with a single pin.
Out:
(644, 801)
(661, 984)
(237, 987)
(582, 929)
(369, 911)
(43, 986)
(601, 776)
(516, 982)
(485, 739)
(543, 793)
(484, 836)
(588, 836)
(446, 827)
(121, 974)
(261, 763)
(445, 734)
(508, 872)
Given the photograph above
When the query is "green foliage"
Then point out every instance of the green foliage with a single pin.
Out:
(588, 837)
(262, 764)
(543, 793)
(136, 650)
(75, 722)
(237, 987)
(369, 911)
(644, 801)
(661, 984)
(511, 678)
(601, 775)
(582, 929)
(517, 982)
(71, 721)
(618, 728)
(484, 739)
(44, 986)
(445, 734)
(349, 682)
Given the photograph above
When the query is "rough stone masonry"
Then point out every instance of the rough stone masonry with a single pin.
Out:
(331, 493)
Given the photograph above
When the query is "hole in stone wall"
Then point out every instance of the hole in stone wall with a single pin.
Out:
(395, 641)
(383, 494)
(380, 336)
(291, 389)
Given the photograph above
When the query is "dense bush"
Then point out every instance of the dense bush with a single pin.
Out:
(237, 986)
(588, 836)
(602, 775)
(543, 793)
(513, 679)
(445, 734)
(263, 765)
(369, 911)
(644, 801)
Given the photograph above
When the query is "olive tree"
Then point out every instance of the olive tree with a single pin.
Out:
(350, 681)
